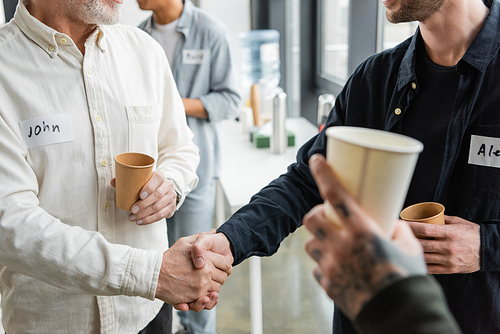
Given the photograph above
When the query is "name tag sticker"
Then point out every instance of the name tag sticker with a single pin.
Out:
(47, 130)
(194, 57)
(484, 151)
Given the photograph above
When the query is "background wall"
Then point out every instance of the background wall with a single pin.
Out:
(132, 15)
(234, 13)
(2, 15)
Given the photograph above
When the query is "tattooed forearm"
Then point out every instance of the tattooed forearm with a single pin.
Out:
(373, 264)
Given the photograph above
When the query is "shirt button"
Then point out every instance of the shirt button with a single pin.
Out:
(413, 85)
(104, 163)
(397, 111)
(89, 71)
(64, 40)
(106, 206)
(52, 48)
(98, 118)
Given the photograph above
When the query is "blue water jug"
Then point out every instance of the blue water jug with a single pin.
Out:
(260, 58)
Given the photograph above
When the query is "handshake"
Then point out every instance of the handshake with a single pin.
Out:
(193, 271)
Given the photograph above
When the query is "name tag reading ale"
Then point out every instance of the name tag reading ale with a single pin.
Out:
(194, 57)
(47, 130)
(484, 151)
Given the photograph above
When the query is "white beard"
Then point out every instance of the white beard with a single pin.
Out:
(95, 11)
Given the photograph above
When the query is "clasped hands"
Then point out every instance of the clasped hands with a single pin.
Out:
(193, 271)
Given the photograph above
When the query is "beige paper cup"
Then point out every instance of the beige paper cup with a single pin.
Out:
(133, 171)
(376, 167)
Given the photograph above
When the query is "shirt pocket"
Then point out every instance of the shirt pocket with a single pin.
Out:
(143, 127)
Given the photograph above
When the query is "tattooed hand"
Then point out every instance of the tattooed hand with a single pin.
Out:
(357, 260)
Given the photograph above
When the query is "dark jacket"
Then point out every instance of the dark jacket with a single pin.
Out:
(413, 305)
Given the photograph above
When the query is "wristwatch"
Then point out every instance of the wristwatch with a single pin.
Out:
(177, 198)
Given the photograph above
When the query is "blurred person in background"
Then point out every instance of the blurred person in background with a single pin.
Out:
(200, 54)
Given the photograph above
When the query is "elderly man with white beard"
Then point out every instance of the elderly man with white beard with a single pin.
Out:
(70, 260)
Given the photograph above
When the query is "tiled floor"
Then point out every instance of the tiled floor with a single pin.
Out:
(292, 300)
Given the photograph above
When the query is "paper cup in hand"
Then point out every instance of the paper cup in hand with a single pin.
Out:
(376, 167)
(133, 171)
(426, 212)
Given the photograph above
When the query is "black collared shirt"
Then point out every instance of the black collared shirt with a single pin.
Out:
(377, 96)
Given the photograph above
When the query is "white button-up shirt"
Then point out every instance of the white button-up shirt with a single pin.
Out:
(70, 260)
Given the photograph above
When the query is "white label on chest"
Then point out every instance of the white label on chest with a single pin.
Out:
(484, 151)
(194, 57)
(47, 130)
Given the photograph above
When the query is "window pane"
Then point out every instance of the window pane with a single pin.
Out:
(335, 34)
(2, 14)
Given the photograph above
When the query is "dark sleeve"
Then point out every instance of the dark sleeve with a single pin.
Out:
(413, 305)
(490, 245)
(277, 210)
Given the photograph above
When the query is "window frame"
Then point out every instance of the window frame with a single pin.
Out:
(363, 40)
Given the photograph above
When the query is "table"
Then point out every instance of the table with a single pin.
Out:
(245, 170)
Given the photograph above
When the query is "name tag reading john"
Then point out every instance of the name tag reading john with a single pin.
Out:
(47, 130)
(484, 151)
(194, 57)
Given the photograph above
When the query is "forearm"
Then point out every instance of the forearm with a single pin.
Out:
(415, 304)
(272, 214)
(70, 257)
(221, 104)
(278, 209)
(194, 108)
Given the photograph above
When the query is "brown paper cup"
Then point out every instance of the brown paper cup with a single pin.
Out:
(426, 212)
(133, 171)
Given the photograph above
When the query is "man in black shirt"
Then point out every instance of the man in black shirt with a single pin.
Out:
(380, 283)
(441, 86)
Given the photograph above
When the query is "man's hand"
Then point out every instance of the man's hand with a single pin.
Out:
(455, 248)
(158, 200)
(358, 259)
(204, 244)
(181, 282)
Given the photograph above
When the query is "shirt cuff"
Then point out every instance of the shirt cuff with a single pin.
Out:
(415, 304)
(141, 274)
(180, 197)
